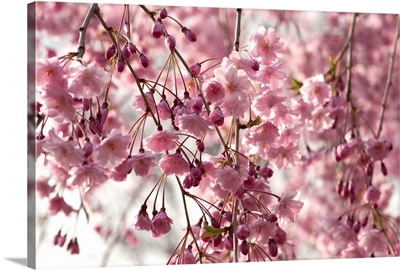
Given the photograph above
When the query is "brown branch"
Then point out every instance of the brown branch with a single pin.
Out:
(389, 77)
(82, 30)
(350, 58)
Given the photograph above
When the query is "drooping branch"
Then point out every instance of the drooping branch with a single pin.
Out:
(389, 78)
(82, 30)
(350, 59)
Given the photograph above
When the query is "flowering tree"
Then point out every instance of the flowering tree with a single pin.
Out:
(260, 144)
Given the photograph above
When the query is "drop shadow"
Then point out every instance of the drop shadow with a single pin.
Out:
(20, 261)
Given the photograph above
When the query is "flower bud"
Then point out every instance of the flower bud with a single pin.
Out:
(163, 13)
(131, 48)
(217, 117)
(242, 231)
(266, 172)
(120, 65)
(190, 35)
(157, 29)
(170, 42)
(125, 50)
(143, 60)
(372, 194)
(244, 248)
(200, 146)
(195, 69)
(273, 248)
(110, 52)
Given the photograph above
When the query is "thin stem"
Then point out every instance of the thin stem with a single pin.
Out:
(389, 78)
(82, 30)
(189, 227)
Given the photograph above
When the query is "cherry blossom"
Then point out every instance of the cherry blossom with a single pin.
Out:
(87, 82)
(287, 207)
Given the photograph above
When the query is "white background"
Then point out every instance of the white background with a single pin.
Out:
(13, 227)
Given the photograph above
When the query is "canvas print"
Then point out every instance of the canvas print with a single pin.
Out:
(163, 135)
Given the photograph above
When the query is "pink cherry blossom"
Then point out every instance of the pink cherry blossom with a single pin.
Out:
(65, 153)
(193, 124)
(268, 105)
(142, 220)
(112, 149)
(73, 246)
(216, 117)
(43, 188)
(261, 231)
(265, 133)
(228, 179)
(87, 82)
(173, 164)
(373, 241)
(160, 141)
(353, 250)
(57, 204)
(188, 257)
(315, 91)
(377, 148)
(321, 120)
(372, 194)
(140, 105)
(160, 224)
(163, 110)
(282, 156)
(87, 175)
(143, 163)
(49, 71)
(287, 207)
(57, 103)
(213, 91)
(266, 44)
(272, 74)
(234, 81)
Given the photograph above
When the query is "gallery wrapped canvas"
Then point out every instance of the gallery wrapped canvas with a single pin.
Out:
(166, 135)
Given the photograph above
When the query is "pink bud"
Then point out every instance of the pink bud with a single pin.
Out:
(163, 13)
(73, 246)
(266, 172)
(244, 248)
(189, 34)
(157, 29)
(217, 117)
(372, 195)
(110, 52)
(120, 65)
(143, 60)
(170, 42)
(195, 69)
(88, 148)
(125, 50)
(131, 47)
(271, 217)
(59, 240)
(242, 231)
(273, 248)
(200, 146)
(280, 237)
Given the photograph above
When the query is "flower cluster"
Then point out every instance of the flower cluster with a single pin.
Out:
(223, 132)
